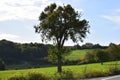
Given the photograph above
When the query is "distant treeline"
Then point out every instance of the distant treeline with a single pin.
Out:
(27, 55)
(89, 46)
(112, 53)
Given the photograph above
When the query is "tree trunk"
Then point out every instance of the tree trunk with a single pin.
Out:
(59, 64)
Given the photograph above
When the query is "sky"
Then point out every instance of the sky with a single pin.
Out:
(17, 18)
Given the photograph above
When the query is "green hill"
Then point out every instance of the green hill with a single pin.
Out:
(76, 54)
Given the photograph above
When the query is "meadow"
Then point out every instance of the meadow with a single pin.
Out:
(73, 55)
(77, 70)
(76, 54)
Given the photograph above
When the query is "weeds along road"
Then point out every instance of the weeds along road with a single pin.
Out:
(116, 77)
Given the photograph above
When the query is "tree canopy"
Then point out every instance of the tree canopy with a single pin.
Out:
(61, 23)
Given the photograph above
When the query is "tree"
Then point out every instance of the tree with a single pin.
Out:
(2, 65)
(60, 23)
(114, 52)
(89, 57)
(97, 46)
(101, 55)
(77, 46)
(14, 54)
(87, 46)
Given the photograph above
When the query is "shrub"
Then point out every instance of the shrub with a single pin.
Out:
(29, 76)
(17, 77)
(114, 70)
(101, 55)
(89, 58)
(66, 75)
(90, 74)
(87, 73)
(36, 76)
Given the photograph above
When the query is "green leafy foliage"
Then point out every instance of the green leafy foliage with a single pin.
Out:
(89, 57)
(101, 55)
(53, 54)
(24, 55)
(60, 23)
(114, 52)
(2, 65)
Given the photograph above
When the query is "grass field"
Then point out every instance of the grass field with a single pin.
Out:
(77, 69)
(76, 54)
(49, 71)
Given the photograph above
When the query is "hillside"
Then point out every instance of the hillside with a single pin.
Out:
(76, 54)
(26, 55)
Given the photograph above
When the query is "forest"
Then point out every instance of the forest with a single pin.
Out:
(24, 55)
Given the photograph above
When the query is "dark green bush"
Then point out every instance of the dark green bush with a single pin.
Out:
(2, 65)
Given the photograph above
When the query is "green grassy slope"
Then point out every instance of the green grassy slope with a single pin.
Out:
(76, 54)
(77, 69)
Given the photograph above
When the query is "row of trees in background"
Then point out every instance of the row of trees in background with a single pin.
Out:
(35, 55)
(2, 65)
(112, 53)
(18, 54)
(89, 46)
